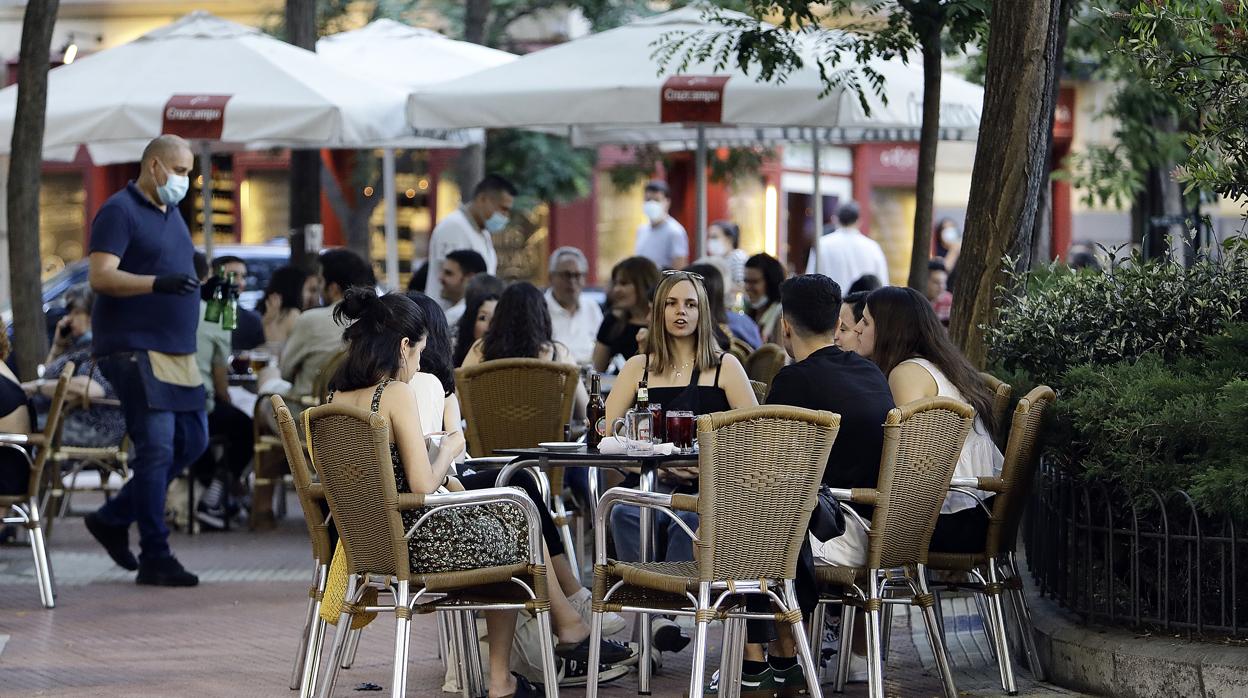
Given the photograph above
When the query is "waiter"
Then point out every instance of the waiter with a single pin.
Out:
(144, 325)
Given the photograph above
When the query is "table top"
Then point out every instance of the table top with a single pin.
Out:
(586, 454)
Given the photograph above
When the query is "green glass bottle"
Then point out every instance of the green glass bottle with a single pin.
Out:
(212, 313)
(229, 311)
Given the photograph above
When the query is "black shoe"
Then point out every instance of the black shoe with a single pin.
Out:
(115, 539)
(611, 652)
(574, 673)
(165, 572)
(667, 636)
(525, 689)
(212, 518)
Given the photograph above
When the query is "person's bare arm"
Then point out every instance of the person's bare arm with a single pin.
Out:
(736, 383)
(221, 383)
(910, 382)
(602, 357)
(624, 391)
(105, 277)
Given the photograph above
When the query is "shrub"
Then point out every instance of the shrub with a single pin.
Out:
(1056, 318)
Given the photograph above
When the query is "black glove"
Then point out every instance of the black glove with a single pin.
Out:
(175, 284)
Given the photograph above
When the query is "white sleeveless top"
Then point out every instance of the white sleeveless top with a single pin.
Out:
(430, 400)
(980, 455)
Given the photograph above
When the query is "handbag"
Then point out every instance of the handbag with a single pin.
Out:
(827, 521)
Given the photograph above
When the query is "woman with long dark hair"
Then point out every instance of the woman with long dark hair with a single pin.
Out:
(632, 281)
(480, 299)
(285, 297)
(852, 307)
(434, 384)
(763, 276)
(900, 333)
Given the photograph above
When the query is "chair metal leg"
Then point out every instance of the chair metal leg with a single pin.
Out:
(927, 602)
(39, 548)
(985, 616)
(470, 651)
(550, 675)
(353, 644)
(731, 657)
(875, 654)
(312, 663)
(996, 610)
(595, 652)
(844, 647)
(1022, 613)
(886, 629)
(340, 638)
(645, 521)
(402, 628)
(696, 680)
(456, 655)
(309, 621)
(804, 654)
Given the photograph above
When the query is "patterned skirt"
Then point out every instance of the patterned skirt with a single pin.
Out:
(491, 535)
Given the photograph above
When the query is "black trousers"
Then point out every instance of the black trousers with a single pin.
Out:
(233, 427)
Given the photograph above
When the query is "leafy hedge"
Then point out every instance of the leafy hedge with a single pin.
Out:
(1151, 365)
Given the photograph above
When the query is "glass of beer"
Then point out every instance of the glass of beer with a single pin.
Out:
(680, 430)
(240, 364)
(259, 360)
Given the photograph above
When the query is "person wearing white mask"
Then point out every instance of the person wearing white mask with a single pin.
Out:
(723, 240)
(471, 227)
(661, 239)
(144, 335)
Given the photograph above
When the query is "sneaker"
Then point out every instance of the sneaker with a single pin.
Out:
(667, 636)
(792, 681)
(115, 539)
(583, 602)
(212, 518)
(573, 672)
(165, 572)
(762, 685)
(611, 652)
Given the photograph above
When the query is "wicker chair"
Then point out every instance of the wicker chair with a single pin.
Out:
(994, 571)
(760, 391)
(312, 499)
(922, 442)
(350, 450)
(747, 465)
(765, 362)
(740, 348)
(69, 462)
(1001, 394)
(24, 508)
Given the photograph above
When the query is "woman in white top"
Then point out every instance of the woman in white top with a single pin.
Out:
(900, 333)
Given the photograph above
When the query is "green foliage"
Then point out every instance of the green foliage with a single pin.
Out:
(1057, 318)
(546, 168)
(1163, 425)
(726, 167)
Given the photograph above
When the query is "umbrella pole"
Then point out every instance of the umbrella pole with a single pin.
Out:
(205, 193)
(391, 225)
(818, 203)
(699, 250)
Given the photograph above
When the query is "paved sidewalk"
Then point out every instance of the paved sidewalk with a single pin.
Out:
(235, 634)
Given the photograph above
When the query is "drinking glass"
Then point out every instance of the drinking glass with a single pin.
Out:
(240, 363)
(635, 428)
(658, 424)
(259, 360)
(680, 430)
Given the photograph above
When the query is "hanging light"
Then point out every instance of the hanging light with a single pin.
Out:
(71, 52)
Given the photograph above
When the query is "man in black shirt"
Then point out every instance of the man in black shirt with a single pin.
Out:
(823, 377)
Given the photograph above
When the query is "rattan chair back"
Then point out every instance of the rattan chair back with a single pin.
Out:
(740, 348)
(1022, 452)
(51, 434)
(1001, 394)
(350, 449)
(305, 488)
(760, 391)
(922, 442)
(515, 403)
(765, 362)
(759, 470)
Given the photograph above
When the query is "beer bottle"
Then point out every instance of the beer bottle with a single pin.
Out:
(642, 406)
(212, 313)
(596, 413)
(229, 311)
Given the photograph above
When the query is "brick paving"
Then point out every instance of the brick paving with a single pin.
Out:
(235, 634)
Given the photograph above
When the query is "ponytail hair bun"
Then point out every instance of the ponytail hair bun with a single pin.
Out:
(363, 312)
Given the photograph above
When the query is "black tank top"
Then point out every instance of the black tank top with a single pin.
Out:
(698, 399)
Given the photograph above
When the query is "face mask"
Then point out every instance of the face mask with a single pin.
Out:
(653, 210)
(174, 188)
(760, 303)
(496, 222)
(716, 248)
(950, 236)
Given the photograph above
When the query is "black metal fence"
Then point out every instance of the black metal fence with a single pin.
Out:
(1148, 562)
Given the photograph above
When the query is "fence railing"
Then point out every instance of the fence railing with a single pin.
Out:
(1153, 561)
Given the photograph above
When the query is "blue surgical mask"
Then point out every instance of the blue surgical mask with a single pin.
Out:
(496, 222)
(174, 189)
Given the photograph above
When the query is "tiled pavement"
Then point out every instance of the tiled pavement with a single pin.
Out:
(235, 634)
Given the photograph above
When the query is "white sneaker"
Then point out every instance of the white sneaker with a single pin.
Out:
(858, 671)
(583, 602)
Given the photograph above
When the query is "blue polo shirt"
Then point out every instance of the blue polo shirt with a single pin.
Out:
(149, 242)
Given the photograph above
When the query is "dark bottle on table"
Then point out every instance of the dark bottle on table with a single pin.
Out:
(212, 312)
(229, 311)
(644, 423)
(595, 413)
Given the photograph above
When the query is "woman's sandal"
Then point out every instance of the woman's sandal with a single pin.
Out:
(525, 689)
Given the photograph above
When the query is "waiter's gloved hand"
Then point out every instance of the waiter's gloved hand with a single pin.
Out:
(175, 284)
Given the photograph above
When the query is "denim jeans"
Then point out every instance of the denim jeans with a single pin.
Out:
(626, 532)
(165, 443)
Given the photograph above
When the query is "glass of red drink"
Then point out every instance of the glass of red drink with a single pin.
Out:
(659, 434)
(680, 429)
(240, 364)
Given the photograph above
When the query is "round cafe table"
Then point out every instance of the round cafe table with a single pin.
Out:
(544, 459)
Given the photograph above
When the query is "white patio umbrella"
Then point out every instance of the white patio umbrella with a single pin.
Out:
(220, 84)
(405, 58)
(608, 87)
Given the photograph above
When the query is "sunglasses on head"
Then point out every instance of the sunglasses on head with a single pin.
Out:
(689, 274)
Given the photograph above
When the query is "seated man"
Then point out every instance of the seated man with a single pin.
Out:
(250, 331)
(458, 269)
(823, 377)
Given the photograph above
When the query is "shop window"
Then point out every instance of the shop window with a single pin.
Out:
(62, 220)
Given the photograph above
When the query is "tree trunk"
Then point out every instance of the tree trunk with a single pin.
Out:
(929, 137)
(305, 165)
(1010, 159)
(476, 16)
(1039, 250)
(30, 333)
